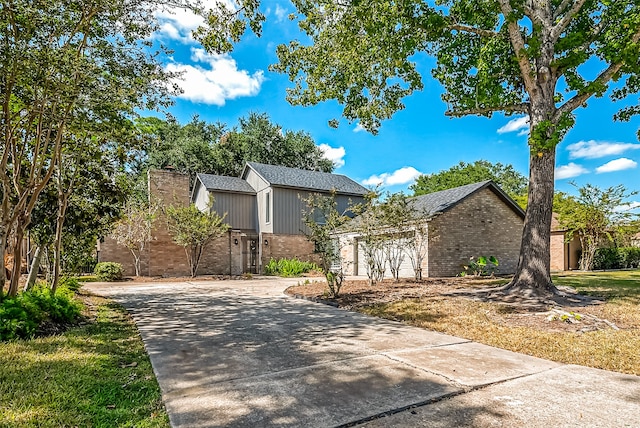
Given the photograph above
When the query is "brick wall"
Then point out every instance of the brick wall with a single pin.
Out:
(481, 225)
(558, 254)
(287, 246)
(110, 251)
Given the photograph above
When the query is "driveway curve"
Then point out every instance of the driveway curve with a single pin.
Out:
(242, 354)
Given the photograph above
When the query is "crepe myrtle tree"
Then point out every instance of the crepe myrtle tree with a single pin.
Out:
(510, 56)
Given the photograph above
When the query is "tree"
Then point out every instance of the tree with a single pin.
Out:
(324, 222)
(194, 230)
(593, 215)
(505, 176)
(64, 65)
(543, 59)
(133, 230)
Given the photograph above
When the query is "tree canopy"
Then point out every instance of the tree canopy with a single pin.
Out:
(505, 176)
(544, 59)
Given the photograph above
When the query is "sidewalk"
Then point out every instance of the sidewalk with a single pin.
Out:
(240, 353)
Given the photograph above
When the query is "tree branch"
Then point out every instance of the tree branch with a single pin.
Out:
(515, 108)
(517, 42)
(473, 30)
(566, 19)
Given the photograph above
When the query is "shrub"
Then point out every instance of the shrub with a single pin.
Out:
(484, 266)
(20, 316)
(288, 267)
(108, 271)
(616, 258)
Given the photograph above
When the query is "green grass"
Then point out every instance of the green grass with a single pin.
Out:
(96, 375)
(490, 323)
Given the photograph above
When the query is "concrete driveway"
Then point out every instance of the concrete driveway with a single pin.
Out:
(241, 354)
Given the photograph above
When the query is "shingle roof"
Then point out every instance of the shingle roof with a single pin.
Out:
(225, 184)
(438, 202)
(303, 179)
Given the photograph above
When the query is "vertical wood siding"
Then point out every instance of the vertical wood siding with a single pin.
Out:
(240, 209)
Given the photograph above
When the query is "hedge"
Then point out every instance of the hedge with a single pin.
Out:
(617, 258)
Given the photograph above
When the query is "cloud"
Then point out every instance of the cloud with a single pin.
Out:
(628, 206)
(569, 171)
(215, 82)
(617, 165)
(359, 128)
(178, 23)
(334, 154)
(400, 176)
(519, 124)
(281, 13)
(598, 149)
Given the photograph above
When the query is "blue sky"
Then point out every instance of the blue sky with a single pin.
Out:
(419, 139)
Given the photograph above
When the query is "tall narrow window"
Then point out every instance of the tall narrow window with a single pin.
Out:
(267, 205)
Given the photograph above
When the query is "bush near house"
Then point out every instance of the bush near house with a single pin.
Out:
(108, 271)
(288, 267)
(616, 258)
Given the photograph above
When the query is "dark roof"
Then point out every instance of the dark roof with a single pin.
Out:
(437, 202)
(225, 184)
(283, 176)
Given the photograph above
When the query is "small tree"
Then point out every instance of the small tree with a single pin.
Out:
(592, 215)
(194, 230)
(324, 223)
(133, 231)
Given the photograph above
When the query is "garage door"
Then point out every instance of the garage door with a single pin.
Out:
(406, 269)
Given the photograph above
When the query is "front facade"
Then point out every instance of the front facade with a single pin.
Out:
(468, 221)
(263, 208)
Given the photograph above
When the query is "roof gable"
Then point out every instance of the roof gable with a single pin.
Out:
(223, 183)
(438, 202)
(283, 176)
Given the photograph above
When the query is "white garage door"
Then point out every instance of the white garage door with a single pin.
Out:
(406, 269)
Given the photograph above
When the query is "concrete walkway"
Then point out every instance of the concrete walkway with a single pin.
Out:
(241, 354)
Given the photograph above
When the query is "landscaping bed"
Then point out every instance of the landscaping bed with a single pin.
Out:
(602, 333)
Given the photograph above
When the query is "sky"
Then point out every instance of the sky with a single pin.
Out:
(417, 140)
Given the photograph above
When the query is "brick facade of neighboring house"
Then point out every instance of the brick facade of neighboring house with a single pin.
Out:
(565, 255)
(263, 208)
(468, 221)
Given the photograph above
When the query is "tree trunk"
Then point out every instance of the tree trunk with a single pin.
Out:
(35, 268)
(17, 262)
(532, 275)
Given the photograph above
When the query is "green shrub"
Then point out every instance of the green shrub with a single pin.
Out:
(616, 258)
(484, 266)
(288, 267)
(20, 316)
(108, 271)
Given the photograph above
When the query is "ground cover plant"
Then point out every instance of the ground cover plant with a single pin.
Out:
(604, 333)
(93, 375)
(289, 267)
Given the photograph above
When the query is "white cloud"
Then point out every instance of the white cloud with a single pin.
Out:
(400, 176)
(519, 124)
(628, 206)
(617, 165)
(569, 171)
(178, 23)
(598, 149)
(334, 154)
(217, 81)
(359, 128)
(281, 13)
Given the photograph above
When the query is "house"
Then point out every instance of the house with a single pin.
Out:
(467, 221)
(263, 208)
(565, 253)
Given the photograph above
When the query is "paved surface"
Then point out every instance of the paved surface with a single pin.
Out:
(241, 354)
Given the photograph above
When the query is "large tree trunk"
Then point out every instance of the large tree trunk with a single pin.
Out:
(532, 275)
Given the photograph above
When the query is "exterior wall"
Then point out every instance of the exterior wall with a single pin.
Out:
(201, 196)
(239, 209)
(480, 225)
(110, 251)
(165, 257)
(277, 246)
(558, 252)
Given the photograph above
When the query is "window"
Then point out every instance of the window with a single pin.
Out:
(267, 205)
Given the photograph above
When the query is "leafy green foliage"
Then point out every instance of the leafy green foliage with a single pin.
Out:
(194, 230)
(108, 271)
(21, 315)
(289, 267)
(616, 258)
(505, 176)
(483, 266)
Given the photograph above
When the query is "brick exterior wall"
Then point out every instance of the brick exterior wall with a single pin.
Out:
(481, 225)
(558, 253)
(110, 251)
(287, 246)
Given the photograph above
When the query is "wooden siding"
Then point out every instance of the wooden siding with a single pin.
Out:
(240, 209)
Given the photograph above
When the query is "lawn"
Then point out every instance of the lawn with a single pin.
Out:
(94, 375)
(604, 335)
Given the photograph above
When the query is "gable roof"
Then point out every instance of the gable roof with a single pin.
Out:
(223, 183)
(438, 202)
(283, 176)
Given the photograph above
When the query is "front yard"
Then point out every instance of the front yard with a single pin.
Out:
(604, 334)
